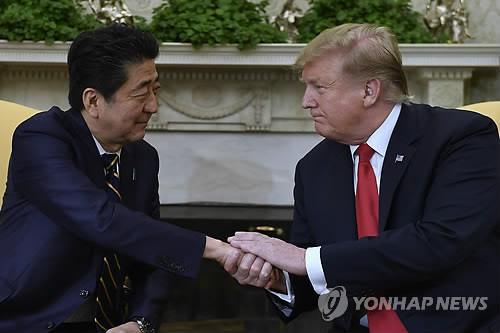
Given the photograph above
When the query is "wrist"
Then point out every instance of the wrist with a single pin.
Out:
(211, 246)
(303, 266)
(145, 325)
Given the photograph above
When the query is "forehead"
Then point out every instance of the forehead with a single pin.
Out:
(140, 74)
(325, 67)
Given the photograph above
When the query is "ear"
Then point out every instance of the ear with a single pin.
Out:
(371, 92)
(91, 99)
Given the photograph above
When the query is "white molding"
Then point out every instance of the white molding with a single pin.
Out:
(265, 55)
(450, 55)
(33, 52)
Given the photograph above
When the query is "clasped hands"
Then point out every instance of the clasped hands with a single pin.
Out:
(256, 259)
(252, 259)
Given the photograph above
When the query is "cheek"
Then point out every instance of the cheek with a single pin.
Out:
(130, 116)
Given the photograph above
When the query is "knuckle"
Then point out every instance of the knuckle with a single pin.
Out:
(244, 267)
(254, 271)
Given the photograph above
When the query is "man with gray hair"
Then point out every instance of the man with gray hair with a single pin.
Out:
(400, 201)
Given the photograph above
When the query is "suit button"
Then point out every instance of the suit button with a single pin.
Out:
(162, 261)
(50, 325)
(84, 293)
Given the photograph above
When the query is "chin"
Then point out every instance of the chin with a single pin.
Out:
(321, 131)
(137, 137)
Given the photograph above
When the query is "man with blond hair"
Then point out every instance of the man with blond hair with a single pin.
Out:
(398, 203)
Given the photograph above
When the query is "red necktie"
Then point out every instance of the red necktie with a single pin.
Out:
(386, 321)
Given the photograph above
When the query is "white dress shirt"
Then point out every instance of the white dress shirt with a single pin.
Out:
(102, 151)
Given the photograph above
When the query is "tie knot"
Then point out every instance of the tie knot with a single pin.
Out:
(365, 152)
(109, 161)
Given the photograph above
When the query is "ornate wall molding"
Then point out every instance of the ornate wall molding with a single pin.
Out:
(444, 73)
(222, 89)
(265, 55)
(214, 102)
(444, 86)
(22, 73)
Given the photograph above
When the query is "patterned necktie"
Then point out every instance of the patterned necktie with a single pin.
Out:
(110, 162)
(386, 321)
(107, 308)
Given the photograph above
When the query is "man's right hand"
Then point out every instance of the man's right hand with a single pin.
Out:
(220, 251)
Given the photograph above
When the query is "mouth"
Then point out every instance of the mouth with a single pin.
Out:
(317, 117)
(142, 123)
(315, 114)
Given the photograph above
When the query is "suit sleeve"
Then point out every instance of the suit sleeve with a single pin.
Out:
(44, 172)
(460, 210)
(306, 299)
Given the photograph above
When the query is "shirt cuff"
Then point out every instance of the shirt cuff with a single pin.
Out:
(287, 300)
(289, 297)
(314, 269)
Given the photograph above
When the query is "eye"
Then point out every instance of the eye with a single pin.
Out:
(320, 88)
(141, 95)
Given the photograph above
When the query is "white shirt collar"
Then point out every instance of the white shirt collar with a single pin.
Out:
(379, 140)
(102, 150)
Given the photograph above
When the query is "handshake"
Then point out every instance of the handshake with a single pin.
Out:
(257, 260)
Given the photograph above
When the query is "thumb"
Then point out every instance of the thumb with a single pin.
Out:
(232, 261)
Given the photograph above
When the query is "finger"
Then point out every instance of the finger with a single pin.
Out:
(231, 264)
(277, 281)
(256, 268)
(244, 268)
(264, 275)
(247, 235)
(234, 243)
(254, 247)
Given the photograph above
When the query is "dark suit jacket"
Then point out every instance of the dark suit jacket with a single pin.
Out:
(439, 220)
(56, 222)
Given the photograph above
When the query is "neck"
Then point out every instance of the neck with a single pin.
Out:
(110, 148)
(94, 129)
(378, 114)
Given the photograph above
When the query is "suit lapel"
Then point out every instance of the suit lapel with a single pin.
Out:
(398, 156)
(342, 195)
(88, 147)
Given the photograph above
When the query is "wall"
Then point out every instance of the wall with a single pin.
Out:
(230, 127)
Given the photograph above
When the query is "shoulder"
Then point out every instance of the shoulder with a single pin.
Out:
(43, 119)
(143, 147)
(54, 123)
(438, 121)
(143, 152)
(437, 124)
(324, 151)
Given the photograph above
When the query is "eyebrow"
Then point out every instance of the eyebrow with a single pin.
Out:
(144, 84)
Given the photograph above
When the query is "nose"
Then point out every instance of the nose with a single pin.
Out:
(151, 105)
(309, 101)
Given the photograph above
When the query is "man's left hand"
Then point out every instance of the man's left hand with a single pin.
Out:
(278, 253)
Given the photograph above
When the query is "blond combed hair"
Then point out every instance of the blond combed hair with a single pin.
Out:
(370, 52)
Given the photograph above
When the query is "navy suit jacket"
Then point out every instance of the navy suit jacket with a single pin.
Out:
(56, 223)
(438, 220)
